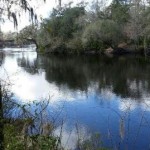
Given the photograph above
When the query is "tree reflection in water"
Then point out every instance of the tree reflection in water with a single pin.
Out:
(126, 77)
(112, 88)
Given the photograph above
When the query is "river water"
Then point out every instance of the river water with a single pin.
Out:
(93, 94)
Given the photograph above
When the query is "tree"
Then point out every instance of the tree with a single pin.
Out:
(29, 33)
(63, 22)
(60, 27)
(137, 26)
(102, 34)
(119, 11)
(11, 9)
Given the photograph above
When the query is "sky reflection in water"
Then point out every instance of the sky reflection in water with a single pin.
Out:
(105, 95)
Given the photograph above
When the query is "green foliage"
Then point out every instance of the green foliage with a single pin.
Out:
(12, 138)
(68, 21)
(119, 11)
(63, 22)
(73, 29)
(29, 33)
(75, 44)
(18, 141)
(102, 33)
(60, 27)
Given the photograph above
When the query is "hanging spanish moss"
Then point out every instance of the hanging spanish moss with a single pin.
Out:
(24, 4)
(60, 3)
(15, 20)
(31, 14)
(12, 9)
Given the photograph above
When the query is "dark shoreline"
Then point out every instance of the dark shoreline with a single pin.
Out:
(115, 52)
(88, 53)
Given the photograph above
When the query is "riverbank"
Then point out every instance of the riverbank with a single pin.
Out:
(120, 50)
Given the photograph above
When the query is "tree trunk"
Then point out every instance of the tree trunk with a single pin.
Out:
(37, 46)
(34, 41)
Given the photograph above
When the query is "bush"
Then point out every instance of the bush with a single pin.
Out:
(101, 34)
(18, 141)
(75, 44)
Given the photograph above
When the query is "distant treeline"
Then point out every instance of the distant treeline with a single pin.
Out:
(120, 27)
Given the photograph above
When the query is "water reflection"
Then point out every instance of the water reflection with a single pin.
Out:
(70, 137)
(28, 62)
(126, 77)
(106, 95)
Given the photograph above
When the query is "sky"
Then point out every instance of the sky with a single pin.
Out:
(42, 10)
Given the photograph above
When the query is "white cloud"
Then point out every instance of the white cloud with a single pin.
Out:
(39, 88)
(127, 104)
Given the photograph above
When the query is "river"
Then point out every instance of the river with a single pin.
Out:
(93, 94)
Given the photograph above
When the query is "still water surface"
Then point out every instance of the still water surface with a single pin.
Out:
(110, 96)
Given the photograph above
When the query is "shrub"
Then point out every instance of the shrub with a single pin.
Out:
(101, 34)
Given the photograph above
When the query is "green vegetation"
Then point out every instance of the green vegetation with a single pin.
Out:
(30, 129)
(101, 34)
(20, 141)
(78, 30)
(26, 130)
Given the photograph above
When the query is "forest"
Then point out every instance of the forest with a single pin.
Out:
(121, 27)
